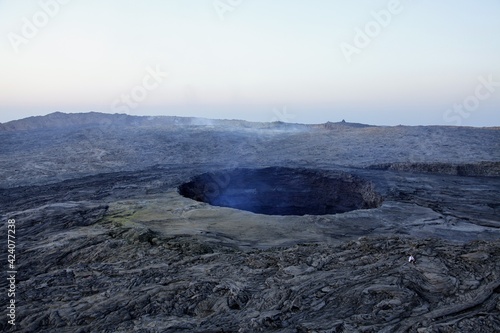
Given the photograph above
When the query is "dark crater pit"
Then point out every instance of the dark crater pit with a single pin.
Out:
(283, 191)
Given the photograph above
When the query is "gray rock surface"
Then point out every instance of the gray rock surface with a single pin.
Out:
(105, 242)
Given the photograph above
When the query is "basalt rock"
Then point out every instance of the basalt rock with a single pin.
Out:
(109, 237)
(482, 169)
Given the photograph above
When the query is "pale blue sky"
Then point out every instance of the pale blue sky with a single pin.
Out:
(266, 60)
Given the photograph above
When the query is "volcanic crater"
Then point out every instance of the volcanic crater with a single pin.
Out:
(283, 191)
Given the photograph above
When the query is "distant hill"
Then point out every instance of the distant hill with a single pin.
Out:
(330, 125)
(92, 119)
(70, 120)
(95, 119)
(64, 120)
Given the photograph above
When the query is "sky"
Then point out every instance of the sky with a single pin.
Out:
(387, 62)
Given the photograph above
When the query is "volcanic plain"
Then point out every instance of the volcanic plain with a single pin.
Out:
(169, 224)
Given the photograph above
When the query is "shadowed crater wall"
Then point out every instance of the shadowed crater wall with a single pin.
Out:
(283, 191)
